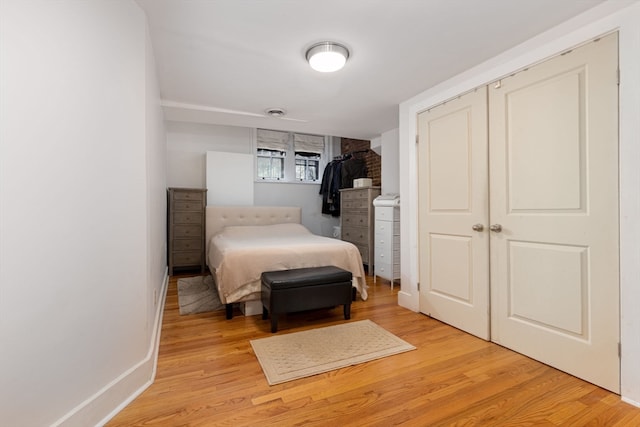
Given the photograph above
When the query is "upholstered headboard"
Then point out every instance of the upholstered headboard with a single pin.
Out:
(219, 217)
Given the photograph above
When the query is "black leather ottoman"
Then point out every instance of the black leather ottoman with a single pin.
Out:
(300, 289)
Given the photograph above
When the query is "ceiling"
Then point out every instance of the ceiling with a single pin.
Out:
(227, 61)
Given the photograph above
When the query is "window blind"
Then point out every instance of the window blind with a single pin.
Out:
(272, 140)
(308, 143)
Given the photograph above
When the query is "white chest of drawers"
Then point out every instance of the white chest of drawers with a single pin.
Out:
(387, 243)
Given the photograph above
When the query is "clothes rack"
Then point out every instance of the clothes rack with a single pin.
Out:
(348, 155)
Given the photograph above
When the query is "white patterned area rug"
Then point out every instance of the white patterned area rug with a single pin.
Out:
(198, 295)
(302, 354)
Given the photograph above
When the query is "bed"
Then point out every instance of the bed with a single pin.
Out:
(244, 241)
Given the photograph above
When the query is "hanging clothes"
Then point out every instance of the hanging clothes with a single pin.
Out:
(330, 188)
(353, 168)
(339, 174)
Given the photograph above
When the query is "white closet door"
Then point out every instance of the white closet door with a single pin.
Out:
(454, 259)
(554, 192)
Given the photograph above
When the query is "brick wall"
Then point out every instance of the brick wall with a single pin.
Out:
(371, 157)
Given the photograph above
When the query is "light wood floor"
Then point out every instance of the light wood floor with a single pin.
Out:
(208, 376)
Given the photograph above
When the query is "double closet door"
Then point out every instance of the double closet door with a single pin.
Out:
(518, 212)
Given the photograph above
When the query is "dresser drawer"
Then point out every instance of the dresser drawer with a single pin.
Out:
(187, 218)
(387, 271)
(187, 245)
(187, 231)
(386, 256)
(383, 237)
(387, 213)
(357, 235)
(355, 219)
(387, 227)
(361, 204)
(188, 205)
(188, 195)
(354, 194)
(183, 259)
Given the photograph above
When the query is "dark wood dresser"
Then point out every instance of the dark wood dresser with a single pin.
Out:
(186, 228)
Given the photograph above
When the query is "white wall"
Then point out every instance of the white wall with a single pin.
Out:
(305, 195)
(390, 158)
(224, 167)
(188, 144)
(81, 209)
(602, 19)
(157, 273)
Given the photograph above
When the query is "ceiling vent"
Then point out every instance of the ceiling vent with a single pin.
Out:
(275, 112)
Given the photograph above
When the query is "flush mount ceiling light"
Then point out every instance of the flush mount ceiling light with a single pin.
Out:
(327, 57)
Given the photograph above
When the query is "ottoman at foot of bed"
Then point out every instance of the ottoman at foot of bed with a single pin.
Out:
(301, 289)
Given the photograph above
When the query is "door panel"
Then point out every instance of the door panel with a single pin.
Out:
(453, 186)
(551, 286)
(449, 174)
(554, 191)
(546, 152)
(451, 280)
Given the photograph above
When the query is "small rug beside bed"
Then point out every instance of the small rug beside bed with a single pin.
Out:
(303, 354)
(198, 295)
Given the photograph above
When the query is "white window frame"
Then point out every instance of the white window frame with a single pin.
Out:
(274, 155)
(290, 160)
(307, 160)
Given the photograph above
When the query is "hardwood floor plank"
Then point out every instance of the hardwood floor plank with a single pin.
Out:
(207, 375)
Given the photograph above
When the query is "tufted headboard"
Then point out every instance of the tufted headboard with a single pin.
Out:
(218, 217)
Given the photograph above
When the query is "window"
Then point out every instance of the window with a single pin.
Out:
(271, 164)
(289, 157)
(272, 147)
(309, 150)
(307, 166)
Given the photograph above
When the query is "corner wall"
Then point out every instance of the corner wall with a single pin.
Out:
(390, 162)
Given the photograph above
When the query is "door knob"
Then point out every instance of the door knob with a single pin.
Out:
(496, 227)
(477, 227)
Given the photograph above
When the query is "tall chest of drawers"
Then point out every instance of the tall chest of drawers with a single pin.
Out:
(186, 228)
(357, 216)
(387, 243)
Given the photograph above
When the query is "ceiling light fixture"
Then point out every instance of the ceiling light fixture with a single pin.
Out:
(327, 57)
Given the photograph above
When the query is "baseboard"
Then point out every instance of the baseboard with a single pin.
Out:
(630, 401)
(407, 300)
(107, 402)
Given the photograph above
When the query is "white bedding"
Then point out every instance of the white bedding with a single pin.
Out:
(238, 255)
